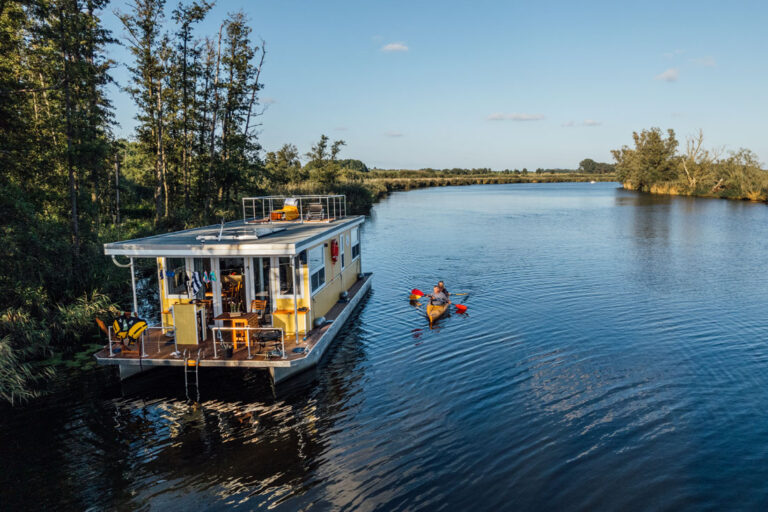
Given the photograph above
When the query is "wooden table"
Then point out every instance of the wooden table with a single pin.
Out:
(241, 322)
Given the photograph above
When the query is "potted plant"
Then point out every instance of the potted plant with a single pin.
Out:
(234, 308)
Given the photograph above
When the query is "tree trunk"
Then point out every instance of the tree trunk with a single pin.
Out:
(74, 223)
(215, 109)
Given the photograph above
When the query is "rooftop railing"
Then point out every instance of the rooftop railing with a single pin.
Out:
(300, 208)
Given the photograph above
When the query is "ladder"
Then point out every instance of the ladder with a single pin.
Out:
(192, 366)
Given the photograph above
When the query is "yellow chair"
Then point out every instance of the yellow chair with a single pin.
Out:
(240, 326)
(259, 306)
(289, 211)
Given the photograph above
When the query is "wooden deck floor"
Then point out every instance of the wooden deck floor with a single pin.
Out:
(160, 348)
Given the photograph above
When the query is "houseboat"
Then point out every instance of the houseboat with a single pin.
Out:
(267, 292)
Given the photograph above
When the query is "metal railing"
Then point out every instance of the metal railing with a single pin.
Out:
(142, 341)
(333, 206)
(218, 338)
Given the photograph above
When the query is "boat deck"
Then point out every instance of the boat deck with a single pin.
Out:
(160, 350)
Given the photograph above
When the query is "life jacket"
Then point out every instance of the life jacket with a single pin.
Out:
(129, 328)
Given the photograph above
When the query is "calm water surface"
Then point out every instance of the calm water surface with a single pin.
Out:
(614, 356)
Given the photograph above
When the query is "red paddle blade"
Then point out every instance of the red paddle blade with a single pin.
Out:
(417, 292)
(460, 308)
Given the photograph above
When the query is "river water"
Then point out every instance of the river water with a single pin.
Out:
(613, 356)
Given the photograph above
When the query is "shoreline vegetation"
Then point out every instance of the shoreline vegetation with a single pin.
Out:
(656, 165)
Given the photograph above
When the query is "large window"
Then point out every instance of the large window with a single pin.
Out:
(176, 276)
(317, 267)
(286, 276)
(355, 243)
(232, 280)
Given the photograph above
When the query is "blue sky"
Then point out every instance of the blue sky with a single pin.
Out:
(499, 84)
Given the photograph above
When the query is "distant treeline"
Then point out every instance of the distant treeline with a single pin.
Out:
(586, 166)
(656, 165)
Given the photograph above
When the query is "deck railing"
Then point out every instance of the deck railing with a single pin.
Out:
(142, 341)
(310, 208)
(218, 338)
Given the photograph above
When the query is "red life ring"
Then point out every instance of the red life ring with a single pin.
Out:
(334, 250)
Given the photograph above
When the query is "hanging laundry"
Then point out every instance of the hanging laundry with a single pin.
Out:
(206, 279)
(170, 273)
(213, 275)
(196, 283)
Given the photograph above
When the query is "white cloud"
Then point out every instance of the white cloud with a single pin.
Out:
(586, 122)
(669, 55)
(394, 47)
(707, 62)
(268, 101)
(393, 133)
(498, 116)
(670, 75)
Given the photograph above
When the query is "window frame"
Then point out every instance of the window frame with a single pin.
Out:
(321, 268)
(275, 273)
(167, 288)
(355, 234)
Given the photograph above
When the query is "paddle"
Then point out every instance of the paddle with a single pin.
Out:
(417, 294)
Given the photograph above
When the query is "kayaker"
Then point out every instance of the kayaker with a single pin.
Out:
(438, 297)
(441, 285)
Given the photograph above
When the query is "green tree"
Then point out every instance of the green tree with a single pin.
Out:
(185, 17)
(588, 166)
(323, 166)
(283, 166)
(149, 48)
(651, 161)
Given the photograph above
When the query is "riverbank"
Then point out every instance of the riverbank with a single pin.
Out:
(398, 184)
(656, 166)
(676, 189)
(363, 193)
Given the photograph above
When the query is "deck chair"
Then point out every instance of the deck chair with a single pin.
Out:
(289, 211)
(316, 212)
(259, 306)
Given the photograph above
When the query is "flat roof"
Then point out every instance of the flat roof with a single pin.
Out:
(236, 238)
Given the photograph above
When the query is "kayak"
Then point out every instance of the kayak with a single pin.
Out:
(435, 312)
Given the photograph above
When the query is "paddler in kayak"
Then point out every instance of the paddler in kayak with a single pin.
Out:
(438, 304)
(439, 297)
(441, 285)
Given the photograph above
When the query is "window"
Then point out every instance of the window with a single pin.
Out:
(317, 267)
(203, 268)
(342, 250)
(355, 243)
(176, 276)
(232, 279)
(286, 276)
